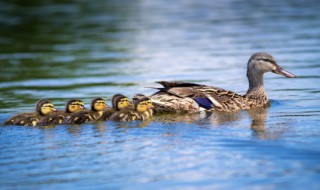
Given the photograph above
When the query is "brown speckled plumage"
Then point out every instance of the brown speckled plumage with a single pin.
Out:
(59, 117)
(29, 119)
(85, 116)
(131, 113)
(181, 97)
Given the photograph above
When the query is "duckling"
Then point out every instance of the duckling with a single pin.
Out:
(142, 111)
(59, 117)
(119, 102)
(177, 97)
(97, 107)
(43, 108)
(149, 101)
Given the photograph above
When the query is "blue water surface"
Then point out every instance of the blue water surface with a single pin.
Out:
(84, 49)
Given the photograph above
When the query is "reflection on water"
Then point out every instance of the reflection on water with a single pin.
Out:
(60, 50)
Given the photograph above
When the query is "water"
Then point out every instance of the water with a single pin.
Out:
(65, 49)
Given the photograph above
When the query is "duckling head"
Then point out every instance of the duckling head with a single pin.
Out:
(98, 104)
(119, 102)
(143, 105)
(138, 97)
(260, 63)
(44, 107)
(74, 105)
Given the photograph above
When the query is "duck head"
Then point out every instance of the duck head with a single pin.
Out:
(98, 104)
(120, 101)
(143, 105)
(44, 107)
(74, 105)
(260, 63)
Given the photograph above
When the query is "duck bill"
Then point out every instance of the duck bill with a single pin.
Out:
(283, 72)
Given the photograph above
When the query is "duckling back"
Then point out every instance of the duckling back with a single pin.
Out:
(15, 119)
(83, 117)
(53, 119)
(25, 119)
(125, 115)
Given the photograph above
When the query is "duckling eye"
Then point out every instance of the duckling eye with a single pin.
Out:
(100, 102)
(79, 104)
(48, 106)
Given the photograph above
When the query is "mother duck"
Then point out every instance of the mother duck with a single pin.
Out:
(177, 97)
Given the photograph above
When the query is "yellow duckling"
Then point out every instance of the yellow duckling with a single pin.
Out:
(142, 111)
(43, 108)
(97, 107)
(119, 102)
(59, 117)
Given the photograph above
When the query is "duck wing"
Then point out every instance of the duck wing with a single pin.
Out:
(228, 100)
(168, 84)
(208, 97)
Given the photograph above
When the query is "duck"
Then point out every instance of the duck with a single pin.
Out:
(184, 97)
(43, 108)
(119, 102)
(59, 117)
(148, 100)
(142, 110)
(98, 105)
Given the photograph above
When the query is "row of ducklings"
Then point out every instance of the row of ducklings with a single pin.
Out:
(75, 113)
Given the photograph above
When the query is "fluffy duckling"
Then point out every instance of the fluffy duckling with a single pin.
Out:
(97, 107)
(119, 102)
(149, 101)
(142, 111)
(58, 117)
(43, 108)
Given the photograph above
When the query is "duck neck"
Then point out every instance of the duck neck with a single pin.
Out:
(256, 89)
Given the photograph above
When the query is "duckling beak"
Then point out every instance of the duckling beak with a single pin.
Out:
(283, 72)
(150, 107)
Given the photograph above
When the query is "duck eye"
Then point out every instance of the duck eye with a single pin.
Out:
(48, 106)
(267, 60)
